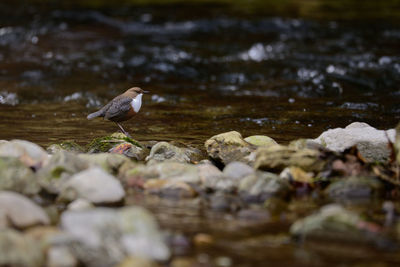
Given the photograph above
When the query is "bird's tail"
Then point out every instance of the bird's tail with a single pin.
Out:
(94, 115)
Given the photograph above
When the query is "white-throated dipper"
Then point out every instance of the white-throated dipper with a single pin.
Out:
(121, 108)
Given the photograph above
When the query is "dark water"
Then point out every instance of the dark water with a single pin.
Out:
(209, 69)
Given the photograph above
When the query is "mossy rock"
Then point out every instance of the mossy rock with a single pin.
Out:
(68, 145)
(104, 144)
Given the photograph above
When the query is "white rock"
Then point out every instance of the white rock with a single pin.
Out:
(237, 170)
(80, 204)
(371, 143)
(94, 185)
(29, 153)
(21, 211)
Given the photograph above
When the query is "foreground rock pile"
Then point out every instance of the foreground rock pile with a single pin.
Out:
(65, 206)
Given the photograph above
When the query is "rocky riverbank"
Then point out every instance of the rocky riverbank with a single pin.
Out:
(69, 205)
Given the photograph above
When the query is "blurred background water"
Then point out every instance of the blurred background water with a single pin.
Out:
(287, 69)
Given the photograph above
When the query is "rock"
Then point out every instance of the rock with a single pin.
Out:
(108, 162)
(260, 140)
(60, 257)
(277, 157)
(228, 147)
(237, 170)
(169, 188)
(131, 151)
(372, 143)
(212, 178)
(110, 235)
(222, 201)
(137, 262)
(355, 188)
(305, 143)
(61, 166)
(20, 211)
(68, 145)
(80, 204)
(94, 185)
(335, 223)
(296, 175)
(27, 152)
(15, 176)
(260, 186)
(17, 249)
(104, 144)
(163, 151)
(176, 171)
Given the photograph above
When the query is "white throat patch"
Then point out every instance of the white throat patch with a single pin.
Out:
(137, 103)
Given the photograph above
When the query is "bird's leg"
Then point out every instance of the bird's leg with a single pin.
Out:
(122, 129)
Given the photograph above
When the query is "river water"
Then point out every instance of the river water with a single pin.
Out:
(209, 70)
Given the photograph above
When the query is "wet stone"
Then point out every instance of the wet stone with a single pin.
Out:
(163, 151)
(27, 152)
(107, 161)
(70, 146)
(104, 144)
(16, 176)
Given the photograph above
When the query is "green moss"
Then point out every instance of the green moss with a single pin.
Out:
(104, 144)
(56, 172)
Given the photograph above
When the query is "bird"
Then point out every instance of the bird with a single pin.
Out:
(121, 108)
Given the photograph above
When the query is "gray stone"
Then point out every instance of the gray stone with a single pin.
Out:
(371, 143)
(163, 151)
(110, 162)
(237, 170)
(20, 211)
(260, 186)
(17, 249)
(355, 187)
(104, 236)
(335, 223)
(94, 185)
(15, 176)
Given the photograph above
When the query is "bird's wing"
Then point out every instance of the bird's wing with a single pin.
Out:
(118, 109)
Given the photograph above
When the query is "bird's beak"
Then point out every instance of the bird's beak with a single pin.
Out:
(146, 92)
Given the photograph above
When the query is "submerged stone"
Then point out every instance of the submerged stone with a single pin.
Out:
(355, 187)
(335, 223)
